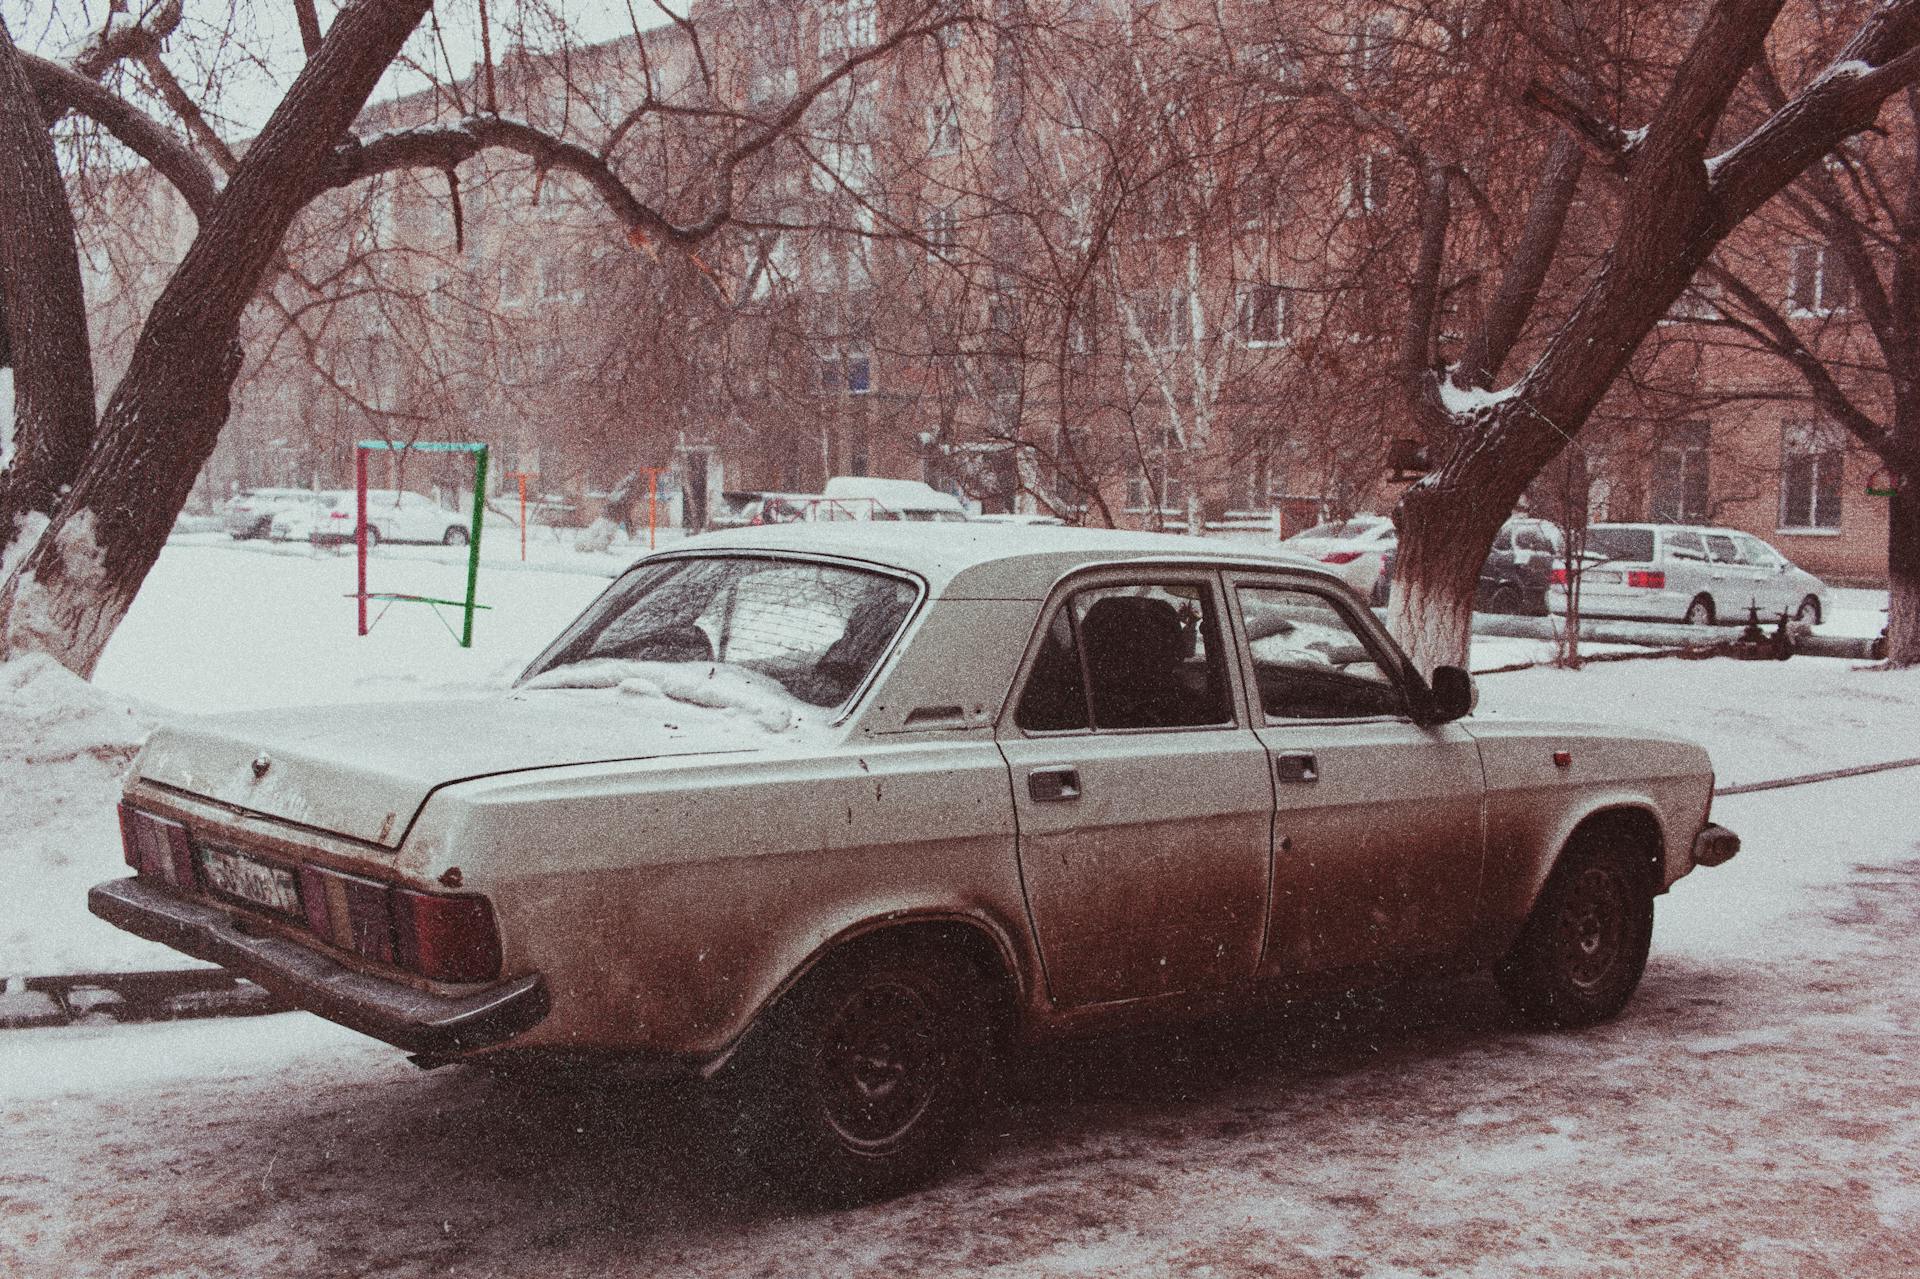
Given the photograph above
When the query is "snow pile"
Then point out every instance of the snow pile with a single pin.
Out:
(64, 746)
(751, 696)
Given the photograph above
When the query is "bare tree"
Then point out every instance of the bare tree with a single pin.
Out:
(124, 484)
(1676, 187)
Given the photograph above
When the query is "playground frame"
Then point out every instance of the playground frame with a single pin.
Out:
(361, 595)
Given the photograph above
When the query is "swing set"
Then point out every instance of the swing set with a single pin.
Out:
(390, 598)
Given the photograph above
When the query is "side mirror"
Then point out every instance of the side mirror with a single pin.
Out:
(1454, 694)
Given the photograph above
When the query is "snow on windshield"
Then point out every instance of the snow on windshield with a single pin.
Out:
(814, 632)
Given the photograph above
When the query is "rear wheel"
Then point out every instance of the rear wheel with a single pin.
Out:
(1584, 947)
(1809, 611)
(1700, 611)
(455, 536)
(860, 1085)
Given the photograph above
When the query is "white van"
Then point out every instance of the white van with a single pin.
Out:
(863, 497)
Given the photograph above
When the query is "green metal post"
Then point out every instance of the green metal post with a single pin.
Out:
(473, 542)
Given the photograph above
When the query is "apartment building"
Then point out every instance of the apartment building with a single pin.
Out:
(1086, 257)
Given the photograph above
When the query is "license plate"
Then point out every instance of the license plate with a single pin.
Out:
(1593, 578)
(251, 879)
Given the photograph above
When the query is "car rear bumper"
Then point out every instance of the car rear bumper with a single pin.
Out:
(419, 1021)
(1715, 845)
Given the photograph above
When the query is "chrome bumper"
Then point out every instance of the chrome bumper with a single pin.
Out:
(416, 1020)
(1714, 845)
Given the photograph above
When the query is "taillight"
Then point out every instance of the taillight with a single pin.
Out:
(1341, 557)
(157, 846)
(338, 515)
(445, 938)
(1559, 577)
(1651, 579)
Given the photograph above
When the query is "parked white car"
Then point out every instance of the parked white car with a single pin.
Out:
(836, 810)
(865, 497)
(252, 512)
(393, 515)
(1689, 573)
(1354, 549)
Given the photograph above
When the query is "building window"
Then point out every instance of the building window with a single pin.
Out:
(1680, 474)
(846, 25)
(1813, 457)
(1265, 319)
(1370, 52)
(848, 372)
(943, 227)
(1816, 282)
(847, 165)
(1366, 188)
(943, 129)
(772, 84)
(1158, 477)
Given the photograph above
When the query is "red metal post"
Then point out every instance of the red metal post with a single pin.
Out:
(360, 528)
(523, 517)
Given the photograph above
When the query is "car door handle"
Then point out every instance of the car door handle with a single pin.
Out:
(1296, 766)
(1053, 785)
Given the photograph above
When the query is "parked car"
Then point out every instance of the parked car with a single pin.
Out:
(866, 497)
(250, 512)
(836, 810)
(393, 515)
(1355, 549)
(1515, 575)
(1689, 573)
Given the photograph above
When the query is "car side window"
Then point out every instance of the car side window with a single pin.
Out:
(1758, 552)
(1308, 660)
(1503, 540)
(1723, 550)
(1528, 540)
(1686, 546)
(1134, 656)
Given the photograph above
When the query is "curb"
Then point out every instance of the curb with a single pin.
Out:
(167, 995)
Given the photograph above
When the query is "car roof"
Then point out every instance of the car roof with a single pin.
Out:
(990, 561)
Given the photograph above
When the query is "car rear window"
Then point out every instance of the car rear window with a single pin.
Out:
(816, 629)
(1634, 545)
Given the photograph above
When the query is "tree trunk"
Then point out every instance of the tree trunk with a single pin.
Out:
(1903, 576)
(166, 414)
(1431, 608)
(42, 309)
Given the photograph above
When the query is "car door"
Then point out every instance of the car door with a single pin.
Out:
(1378, 838)
(1143, 799)
(1777, 590)
(1737, 582)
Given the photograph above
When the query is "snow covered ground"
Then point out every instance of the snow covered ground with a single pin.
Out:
(1752, 1114)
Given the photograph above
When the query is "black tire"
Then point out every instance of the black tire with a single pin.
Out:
(1809, 611)
(1584, 947)
(1505, 599)
(455, 536)
(859, 1086)
(1699, 611)
(373, 537)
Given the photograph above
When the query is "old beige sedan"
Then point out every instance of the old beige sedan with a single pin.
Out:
(834, 811)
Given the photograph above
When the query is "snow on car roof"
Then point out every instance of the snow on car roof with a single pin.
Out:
(986, 560)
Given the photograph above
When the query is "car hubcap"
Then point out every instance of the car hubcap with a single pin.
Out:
(1592, 928)
(878, 1065)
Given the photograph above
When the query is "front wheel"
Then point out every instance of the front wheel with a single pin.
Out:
(860, 1086)
(1809, 611)
(455, 536)
(1700, 611)
(1580, 956)
(373, 537)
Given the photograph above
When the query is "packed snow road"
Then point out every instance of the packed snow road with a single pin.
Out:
(1752, 1114)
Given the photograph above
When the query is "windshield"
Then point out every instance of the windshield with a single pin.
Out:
(817, 630)
(1632, 544)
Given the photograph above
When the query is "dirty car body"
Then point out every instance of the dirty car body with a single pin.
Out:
(846, 807)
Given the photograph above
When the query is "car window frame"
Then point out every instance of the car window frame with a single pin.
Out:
(1386, 655)
(882, 666)
(1062, 594)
